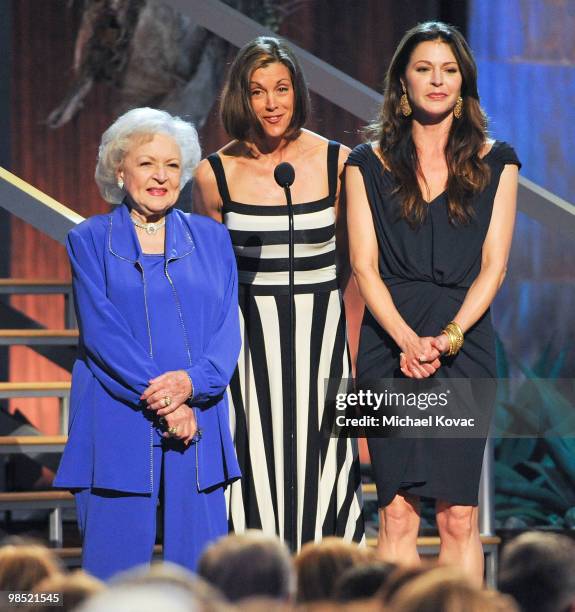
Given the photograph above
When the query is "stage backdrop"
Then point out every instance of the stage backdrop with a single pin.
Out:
(525, 52)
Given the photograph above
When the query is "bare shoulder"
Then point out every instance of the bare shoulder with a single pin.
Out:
(206, 198)
(310, 143)
(204, 175)
(344, 152)
(317, 144)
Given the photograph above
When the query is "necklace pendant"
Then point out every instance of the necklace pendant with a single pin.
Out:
(151, 229)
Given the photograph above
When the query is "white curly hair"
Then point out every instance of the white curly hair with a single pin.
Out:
(119, 138)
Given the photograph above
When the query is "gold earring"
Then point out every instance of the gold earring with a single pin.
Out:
(404, 105)
(458, 108)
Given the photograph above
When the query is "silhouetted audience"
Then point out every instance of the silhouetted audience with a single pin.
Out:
(254, 572)
(247, 565)
(538, 570)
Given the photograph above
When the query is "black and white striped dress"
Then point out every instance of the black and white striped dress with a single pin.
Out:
(324, 498)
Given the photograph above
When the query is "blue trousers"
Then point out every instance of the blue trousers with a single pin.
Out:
(119, 529)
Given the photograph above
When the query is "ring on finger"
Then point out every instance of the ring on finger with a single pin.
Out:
(167, 400)
(173, 431)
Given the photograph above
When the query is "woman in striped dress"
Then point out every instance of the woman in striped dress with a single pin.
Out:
(297, 481)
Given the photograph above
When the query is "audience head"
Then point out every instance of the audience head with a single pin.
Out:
(23, 564)
(538, 570)
(169, 575)
(248, 565)
(141, 597)
(74, 588)
(362, 581)
(399, 577)
(445, 589)
(319, 566)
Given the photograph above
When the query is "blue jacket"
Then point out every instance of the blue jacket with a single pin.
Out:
(110, 439)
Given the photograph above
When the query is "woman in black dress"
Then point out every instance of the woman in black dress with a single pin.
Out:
(431, 215)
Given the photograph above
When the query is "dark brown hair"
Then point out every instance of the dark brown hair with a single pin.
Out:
(468, 174)
(246, 565)
(319, 565)
(236, 112)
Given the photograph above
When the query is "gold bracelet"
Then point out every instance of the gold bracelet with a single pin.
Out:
(455, 336)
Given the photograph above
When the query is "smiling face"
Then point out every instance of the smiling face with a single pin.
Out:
(432, 79)
(151, 172)
(272, 99)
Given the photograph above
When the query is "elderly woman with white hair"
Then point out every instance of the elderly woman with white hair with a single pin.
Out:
(155, 293)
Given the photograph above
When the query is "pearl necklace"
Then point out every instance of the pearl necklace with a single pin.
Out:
(150, 228)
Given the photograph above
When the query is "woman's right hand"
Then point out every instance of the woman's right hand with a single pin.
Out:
(419, 357)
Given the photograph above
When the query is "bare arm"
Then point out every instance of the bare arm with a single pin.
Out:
(206, 198)
(494, 255)
(365, 266)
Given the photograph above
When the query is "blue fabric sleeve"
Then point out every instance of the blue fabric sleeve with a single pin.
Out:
(115, 357)
(211, 373)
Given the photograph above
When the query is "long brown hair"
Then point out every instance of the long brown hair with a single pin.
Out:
(467, 174)
(236, 112)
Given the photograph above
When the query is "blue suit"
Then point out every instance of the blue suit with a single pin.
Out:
(113, 445)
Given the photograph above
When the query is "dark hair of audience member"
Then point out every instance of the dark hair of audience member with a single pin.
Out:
(248, 565)
(399, 577)
(446, 589)
(319, 565)
(23, 564)
(362, 581)
(74, 588)
(538, 570)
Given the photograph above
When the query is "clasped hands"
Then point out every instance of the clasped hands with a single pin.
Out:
(166, 395)
(420, 356)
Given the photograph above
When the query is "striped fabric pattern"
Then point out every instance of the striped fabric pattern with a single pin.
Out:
(314, 490)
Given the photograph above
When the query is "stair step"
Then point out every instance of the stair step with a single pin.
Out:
(38, 500)
(72, 555)
(43, 286)
(427, 544)
(34, 389)
(35, 444)
(31, 337)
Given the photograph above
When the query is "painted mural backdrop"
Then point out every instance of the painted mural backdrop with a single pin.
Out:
(525, 52)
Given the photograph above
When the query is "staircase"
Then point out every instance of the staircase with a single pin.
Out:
(23, 439)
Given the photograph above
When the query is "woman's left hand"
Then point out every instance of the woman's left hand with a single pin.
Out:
(181, 424)
(167, 392)
(441, 343)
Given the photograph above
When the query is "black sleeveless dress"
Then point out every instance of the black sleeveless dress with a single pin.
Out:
(316, 490)
(428, 271)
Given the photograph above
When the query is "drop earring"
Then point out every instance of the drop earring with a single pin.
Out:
(120, 184)
(458, 108)
(404, 105)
